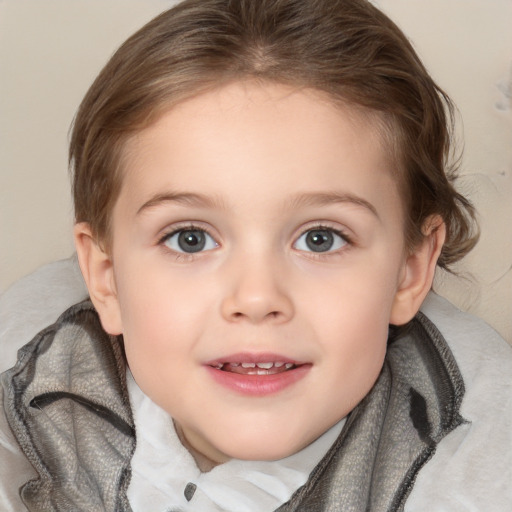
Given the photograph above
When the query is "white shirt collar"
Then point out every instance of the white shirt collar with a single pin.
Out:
(163, 470)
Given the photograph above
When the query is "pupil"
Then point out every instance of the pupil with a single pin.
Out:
(319, 241)
(191, 241)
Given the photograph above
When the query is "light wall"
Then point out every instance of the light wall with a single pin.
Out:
(50, 51)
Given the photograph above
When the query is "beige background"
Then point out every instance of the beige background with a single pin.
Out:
(50, 51)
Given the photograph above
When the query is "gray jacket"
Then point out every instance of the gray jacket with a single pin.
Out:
(67, 404)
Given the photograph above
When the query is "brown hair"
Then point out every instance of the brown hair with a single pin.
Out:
(345, 48)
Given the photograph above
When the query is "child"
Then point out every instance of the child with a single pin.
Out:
(260, 192)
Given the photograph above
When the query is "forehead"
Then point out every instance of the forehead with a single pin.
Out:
(237, 139)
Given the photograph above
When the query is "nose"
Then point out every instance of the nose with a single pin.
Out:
(257, 293)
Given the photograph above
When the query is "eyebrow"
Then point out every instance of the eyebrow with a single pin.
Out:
(299, 201)
(185, 198)
(327, 198)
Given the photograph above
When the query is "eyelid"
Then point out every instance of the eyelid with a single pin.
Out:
(324, 226)
(185, 226)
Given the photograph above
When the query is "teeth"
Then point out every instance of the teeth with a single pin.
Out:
(259, 366)
(265, 366)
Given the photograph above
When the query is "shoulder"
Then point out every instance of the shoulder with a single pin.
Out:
(27, 307)
(483, 356)
(472, 467)
(15, 469)
(36, 301)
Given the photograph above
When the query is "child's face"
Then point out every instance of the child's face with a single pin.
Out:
(256, 225)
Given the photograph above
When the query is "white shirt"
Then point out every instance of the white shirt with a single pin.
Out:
(162, 468)
(471, 470)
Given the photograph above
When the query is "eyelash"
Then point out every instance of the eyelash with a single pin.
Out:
(326, 254)
(311, 254)
(187, 227)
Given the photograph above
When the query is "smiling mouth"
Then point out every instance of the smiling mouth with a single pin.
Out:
(265, 368)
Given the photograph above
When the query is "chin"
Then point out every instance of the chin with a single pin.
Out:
(249, 450)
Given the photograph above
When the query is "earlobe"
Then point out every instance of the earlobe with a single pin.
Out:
(418, 272)
(98, 271)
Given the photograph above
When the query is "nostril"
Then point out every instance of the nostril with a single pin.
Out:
(270, 315)
(256, 308)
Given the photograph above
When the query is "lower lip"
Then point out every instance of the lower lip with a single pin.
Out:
(258, 385)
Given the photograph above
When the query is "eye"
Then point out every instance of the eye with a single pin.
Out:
(320, 240)
(189, 241)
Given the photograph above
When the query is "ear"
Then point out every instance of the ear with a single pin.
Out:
(418, 272)
(98, 271)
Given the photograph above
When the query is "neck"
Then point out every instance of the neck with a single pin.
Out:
(204, 463)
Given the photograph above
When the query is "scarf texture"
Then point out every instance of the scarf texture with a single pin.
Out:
(67, 404)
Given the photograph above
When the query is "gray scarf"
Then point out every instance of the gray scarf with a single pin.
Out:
(67, 404)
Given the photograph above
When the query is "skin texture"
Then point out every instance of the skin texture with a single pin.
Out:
(257, 167)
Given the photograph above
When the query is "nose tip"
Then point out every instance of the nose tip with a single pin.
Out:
(257, 297)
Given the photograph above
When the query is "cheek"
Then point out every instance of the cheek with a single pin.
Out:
(150, 293)
(357, 334)
(355, 356)
(159, 343)
(358, 297)
(153, 312)
(351, 316)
